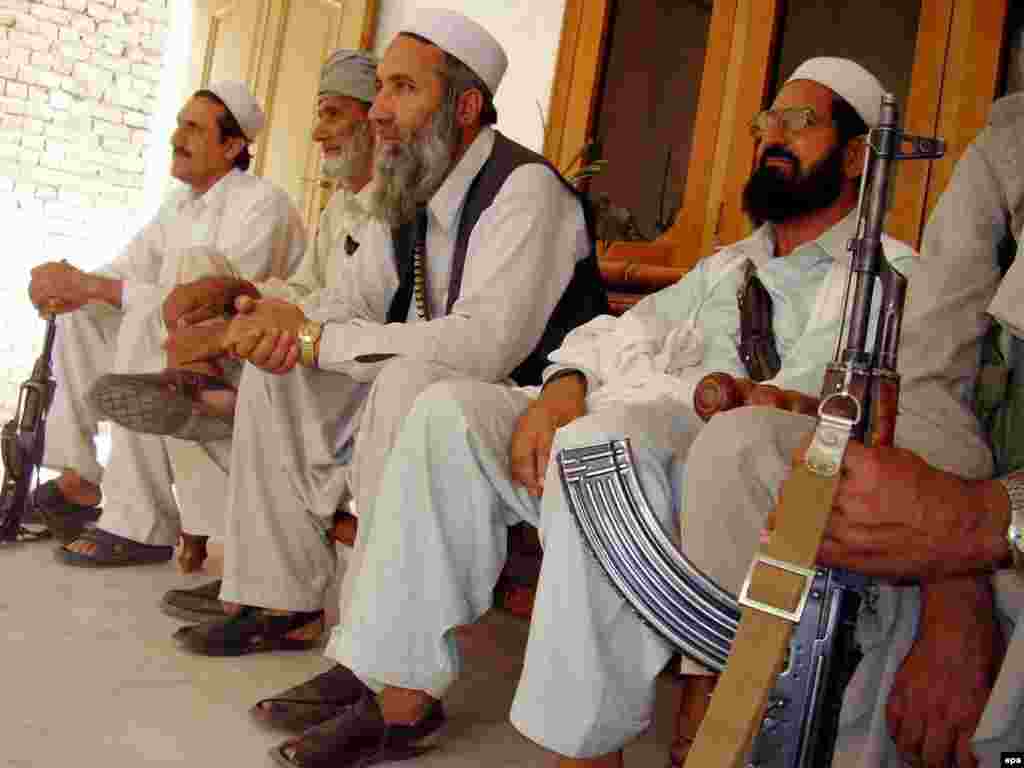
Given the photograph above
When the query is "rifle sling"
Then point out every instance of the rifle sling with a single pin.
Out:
(758, 652)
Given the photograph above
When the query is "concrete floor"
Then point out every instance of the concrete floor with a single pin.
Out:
(89, 675)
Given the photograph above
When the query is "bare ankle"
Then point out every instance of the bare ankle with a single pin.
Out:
(404, 706)
(218, 402)
(610, 760)
(76, 488)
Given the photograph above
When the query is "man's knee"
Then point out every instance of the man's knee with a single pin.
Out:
(451, 405)
(406, 379)
(650, 429)
(590, 429)
(733, 433)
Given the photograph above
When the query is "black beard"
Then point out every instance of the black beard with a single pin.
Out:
(770, 196)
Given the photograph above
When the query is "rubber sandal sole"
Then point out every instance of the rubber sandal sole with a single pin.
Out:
(143, 403)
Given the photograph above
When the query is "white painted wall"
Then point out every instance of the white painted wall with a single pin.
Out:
(529, 30)
(174, 91)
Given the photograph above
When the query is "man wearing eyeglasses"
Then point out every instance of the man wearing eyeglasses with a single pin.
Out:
(932, 520)
(472, 458)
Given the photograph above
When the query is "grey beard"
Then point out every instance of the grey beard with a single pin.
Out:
(413, 172)
(354, 157)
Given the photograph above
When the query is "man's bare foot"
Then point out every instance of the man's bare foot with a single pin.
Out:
(218, 402)
(81, 547)
(192, 552)
(76, 488)
(611, 760)
(213, 401)
(404, 706)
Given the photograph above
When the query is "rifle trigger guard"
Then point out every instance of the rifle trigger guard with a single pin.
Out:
(831, 436)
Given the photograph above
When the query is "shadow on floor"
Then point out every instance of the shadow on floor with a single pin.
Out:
(91, 676)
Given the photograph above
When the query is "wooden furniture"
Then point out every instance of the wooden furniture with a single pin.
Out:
(946, 72)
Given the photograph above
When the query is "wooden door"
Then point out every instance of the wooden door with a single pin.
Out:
(277, 47)
(942, 56)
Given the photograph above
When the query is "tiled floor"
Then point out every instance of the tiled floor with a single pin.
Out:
(89, 675)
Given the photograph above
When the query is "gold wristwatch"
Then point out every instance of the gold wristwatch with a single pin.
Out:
(309, 335)
(1014, 485)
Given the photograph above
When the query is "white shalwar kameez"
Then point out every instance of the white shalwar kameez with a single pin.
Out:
(296, 448)
(243, 226)
(437, 541)
(955, 293)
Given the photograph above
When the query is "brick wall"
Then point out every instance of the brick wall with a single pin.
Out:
(78, 87)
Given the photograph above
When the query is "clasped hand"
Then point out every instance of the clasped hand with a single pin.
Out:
(265, 333)
(204, 299)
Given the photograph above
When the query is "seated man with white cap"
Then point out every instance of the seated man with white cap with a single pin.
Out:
(478, 261)
(472, 458)
(225, 221)
(185, 405)
(943, 537)
(194, 312)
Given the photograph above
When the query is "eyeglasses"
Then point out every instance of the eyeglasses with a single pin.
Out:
(791, 120)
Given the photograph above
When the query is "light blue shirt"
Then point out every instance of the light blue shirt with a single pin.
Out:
(707, 293)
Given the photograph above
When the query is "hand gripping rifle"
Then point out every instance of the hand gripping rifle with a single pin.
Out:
(22, 441)
(782, 692)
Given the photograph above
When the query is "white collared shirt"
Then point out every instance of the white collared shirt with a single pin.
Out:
(519, 260)
(243, 217)
(322, 265)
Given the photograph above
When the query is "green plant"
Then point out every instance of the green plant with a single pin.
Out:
(586, 169)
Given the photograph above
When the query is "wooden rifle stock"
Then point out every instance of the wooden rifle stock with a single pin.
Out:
(719, 392)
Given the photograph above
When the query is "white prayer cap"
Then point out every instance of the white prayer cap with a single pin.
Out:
(464, 39)
(350, 73)
(847, 79)
(242, 104)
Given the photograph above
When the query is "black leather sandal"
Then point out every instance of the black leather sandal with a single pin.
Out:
(360, 737)
(313, 702)
(65, 519)
(112, 550)
(251, 630)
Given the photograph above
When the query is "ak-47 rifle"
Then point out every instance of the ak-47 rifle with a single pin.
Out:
(794, 726)
(22, 442)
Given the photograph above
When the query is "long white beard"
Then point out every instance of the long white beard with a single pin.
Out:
(409, 173)
(353, 157)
